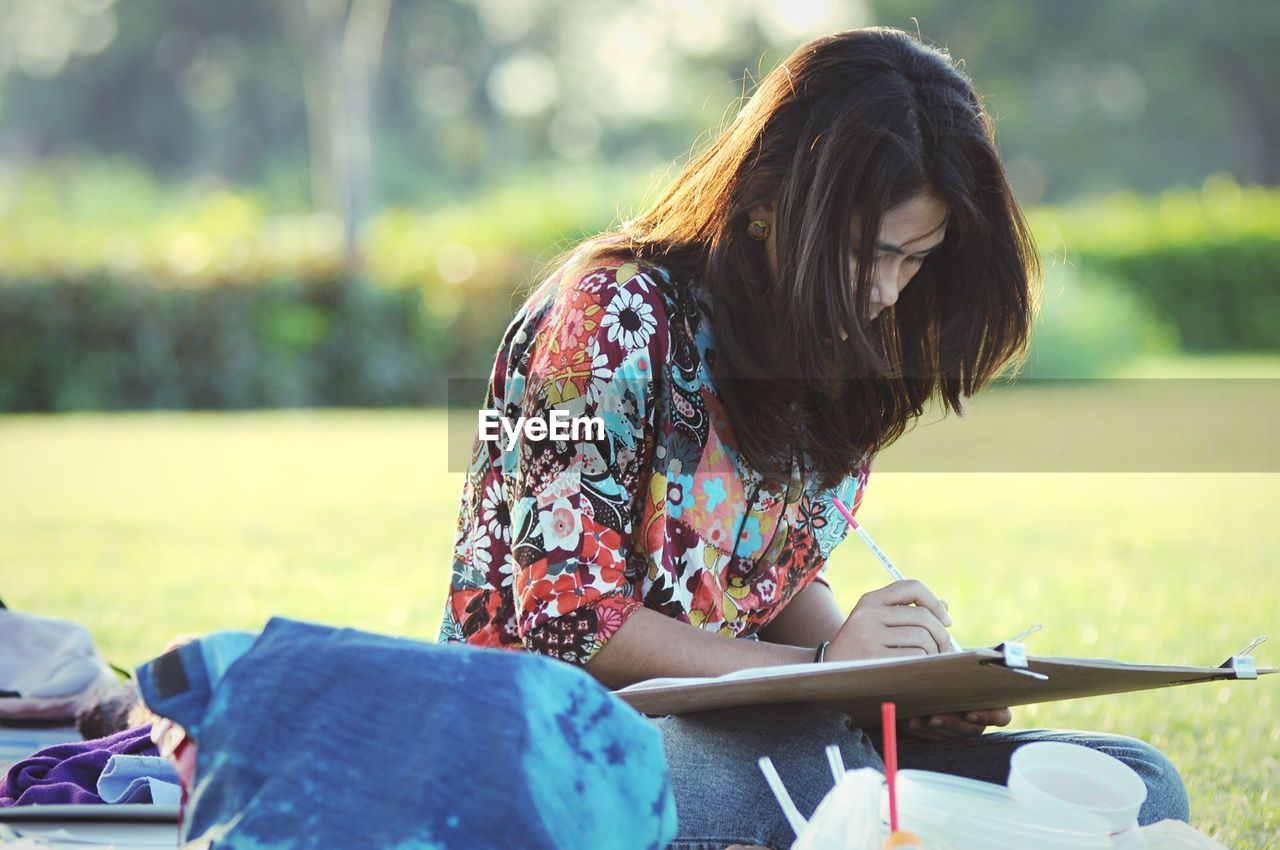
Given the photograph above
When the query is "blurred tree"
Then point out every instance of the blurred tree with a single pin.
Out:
(340, 45)
(39, 37)
(1094, 96)
(1090, 96)
(186, 89)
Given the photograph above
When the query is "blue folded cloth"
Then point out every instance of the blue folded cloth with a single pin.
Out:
(69, 773)
(139, 779)
(314, 737)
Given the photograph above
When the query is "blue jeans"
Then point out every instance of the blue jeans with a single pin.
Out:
(722, 798)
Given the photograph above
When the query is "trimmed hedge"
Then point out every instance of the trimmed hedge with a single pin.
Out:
(1207, 261)
(106, 345)
(1221, 296)
(263, 320)
(213, 304)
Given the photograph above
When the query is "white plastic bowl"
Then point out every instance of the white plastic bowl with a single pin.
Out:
(956, 813)
(1079, 780)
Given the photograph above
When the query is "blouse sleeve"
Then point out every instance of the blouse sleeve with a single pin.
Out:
(836, 527)
(572, 500)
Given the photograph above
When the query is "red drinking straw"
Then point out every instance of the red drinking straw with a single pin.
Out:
(889, 724)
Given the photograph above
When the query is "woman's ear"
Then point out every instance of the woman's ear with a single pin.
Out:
(766, 212)
(762, 212)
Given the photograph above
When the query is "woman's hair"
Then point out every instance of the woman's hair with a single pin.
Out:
(855, 122)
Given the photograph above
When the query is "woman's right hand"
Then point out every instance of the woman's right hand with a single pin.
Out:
(903, 618)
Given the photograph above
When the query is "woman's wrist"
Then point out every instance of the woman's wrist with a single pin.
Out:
(631, 655)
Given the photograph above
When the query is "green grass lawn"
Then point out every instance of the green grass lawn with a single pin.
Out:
(147, 526)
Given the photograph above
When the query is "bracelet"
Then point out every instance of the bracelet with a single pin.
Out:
(820, 654)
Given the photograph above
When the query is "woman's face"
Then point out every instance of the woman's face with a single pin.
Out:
(908, 232)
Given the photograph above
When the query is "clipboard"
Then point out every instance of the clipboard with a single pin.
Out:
(997, 677)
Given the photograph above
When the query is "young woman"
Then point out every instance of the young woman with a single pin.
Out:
(846, 250)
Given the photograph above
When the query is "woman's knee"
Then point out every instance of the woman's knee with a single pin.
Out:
(801, 733)
(720, 790)
(795, 737)
(1166, 793)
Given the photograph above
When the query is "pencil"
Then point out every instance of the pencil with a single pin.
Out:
(884, 559)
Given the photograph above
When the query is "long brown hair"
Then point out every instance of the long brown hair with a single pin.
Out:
(855, 122)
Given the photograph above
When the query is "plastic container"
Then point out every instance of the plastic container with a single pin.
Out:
(947, 813)
(848, 818)
(1079, 780)
(954, 813)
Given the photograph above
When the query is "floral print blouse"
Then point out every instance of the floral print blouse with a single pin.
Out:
(558, 542)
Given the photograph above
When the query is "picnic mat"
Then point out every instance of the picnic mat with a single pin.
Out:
(124, 826)
(18, 741)
(147, 826)
(78, 826)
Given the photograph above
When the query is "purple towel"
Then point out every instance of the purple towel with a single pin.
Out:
(68, 773)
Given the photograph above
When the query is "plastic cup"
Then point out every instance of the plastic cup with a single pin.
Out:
(964, 814)
(1076, 779)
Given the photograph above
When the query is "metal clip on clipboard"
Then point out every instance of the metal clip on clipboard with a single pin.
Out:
(1014, 654)
(1242, 662)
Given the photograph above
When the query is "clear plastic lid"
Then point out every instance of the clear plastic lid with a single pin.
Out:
(966, 813)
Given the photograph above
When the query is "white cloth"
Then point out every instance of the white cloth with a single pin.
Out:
(51, 664)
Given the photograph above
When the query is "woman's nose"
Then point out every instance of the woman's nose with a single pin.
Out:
(887, 291)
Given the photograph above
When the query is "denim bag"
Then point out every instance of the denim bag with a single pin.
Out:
(308, 736)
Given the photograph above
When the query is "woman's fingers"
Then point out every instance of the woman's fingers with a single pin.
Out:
(911, 636)
(912, 616)
(912, 592)
(938, 727)
(957, 724)
(946, 727)
(901, 619)
(918, 727)
(900, 652)
(990, 716)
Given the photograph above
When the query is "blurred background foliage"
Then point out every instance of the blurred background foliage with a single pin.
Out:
(341, 202)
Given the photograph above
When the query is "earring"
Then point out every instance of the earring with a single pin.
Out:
(758, 230)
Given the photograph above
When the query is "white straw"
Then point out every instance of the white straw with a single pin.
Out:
(836, 761)
(789, 809)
